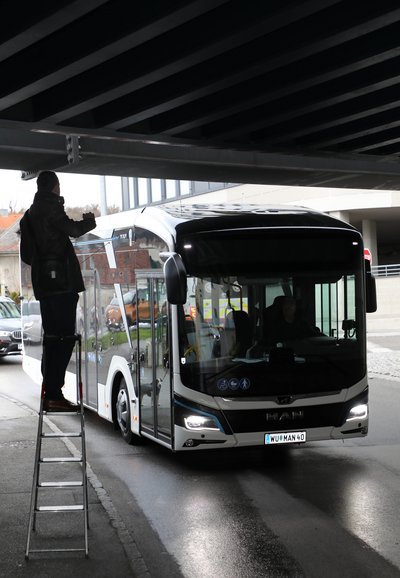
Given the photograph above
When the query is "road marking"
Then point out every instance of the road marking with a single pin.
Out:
(313, 537)
(135, 558)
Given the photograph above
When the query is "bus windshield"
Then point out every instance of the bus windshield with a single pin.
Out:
(272, 315)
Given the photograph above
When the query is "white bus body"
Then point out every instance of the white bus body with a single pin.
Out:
(182, 330)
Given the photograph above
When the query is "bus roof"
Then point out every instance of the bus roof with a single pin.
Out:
(235, 216)
(173, 219)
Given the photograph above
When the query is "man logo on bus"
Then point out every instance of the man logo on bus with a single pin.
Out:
(284, 415)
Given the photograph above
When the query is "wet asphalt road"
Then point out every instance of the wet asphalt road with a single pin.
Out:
(326, 509)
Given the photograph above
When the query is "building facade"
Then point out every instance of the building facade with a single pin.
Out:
(9, 254)
(374, 213)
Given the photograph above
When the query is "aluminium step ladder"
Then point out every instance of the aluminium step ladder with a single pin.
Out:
(39, 486)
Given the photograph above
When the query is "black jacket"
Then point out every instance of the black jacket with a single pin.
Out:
(46, 246)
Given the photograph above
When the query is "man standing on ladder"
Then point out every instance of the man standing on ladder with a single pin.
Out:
(56, 279)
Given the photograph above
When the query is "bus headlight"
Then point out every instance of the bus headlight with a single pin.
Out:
(358, 412)
(200, 422)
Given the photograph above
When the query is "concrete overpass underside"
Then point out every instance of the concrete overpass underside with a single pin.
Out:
(289, 93)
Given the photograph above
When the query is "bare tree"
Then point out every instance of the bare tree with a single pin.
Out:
(76, 212)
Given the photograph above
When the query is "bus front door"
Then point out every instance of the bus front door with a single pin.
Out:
(154, 374)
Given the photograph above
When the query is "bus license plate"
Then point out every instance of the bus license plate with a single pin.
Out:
(19, 345)
(289, 437)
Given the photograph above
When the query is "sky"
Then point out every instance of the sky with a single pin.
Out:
(77, 190)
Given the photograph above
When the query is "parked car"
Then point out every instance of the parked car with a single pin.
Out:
(10, 328)
(32, 321)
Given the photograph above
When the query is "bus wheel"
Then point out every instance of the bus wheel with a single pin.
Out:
(124, 412)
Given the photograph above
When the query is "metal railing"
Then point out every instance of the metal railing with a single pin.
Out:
(385, 270)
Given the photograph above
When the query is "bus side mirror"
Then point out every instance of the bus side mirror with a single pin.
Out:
(175, 279)
(370, 289)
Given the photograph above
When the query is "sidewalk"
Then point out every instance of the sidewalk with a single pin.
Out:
(111, 554)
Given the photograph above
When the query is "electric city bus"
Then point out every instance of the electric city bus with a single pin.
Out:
(221, 326)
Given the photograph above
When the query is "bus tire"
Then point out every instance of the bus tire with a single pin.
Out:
(123, 411)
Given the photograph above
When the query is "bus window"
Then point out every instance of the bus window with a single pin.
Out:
(335, 307)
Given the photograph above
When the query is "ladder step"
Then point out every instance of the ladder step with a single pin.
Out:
(45, 509)
(60, 484)
(59, 460)
(73, 456)
(58, 550)
(53, 413)
(75, 434)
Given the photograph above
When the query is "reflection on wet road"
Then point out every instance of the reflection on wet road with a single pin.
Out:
(326, 509)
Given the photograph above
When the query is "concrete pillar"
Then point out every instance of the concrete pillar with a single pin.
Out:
(125, 193)
(370, 240)
(342, 215)
(103, 196)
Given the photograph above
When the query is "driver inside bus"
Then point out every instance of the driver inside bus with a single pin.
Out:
(285, 323)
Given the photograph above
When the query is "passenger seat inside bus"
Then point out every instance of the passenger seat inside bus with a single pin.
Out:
(272, 315)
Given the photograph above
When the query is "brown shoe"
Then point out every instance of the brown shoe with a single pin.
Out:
(58, 405)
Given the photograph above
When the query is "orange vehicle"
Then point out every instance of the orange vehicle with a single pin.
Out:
(114, 320)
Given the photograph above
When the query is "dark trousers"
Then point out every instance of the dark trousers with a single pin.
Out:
(58, 319)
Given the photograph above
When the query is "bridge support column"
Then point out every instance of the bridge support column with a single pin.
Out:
(370, 240)
(342, 215)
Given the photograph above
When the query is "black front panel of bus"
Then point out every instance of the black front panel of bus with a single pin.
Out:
(249, 252)
(292, 418)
